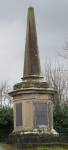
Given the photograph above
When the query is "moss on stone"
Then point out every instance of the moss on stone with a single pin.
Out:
(30, 145)
(31, 84)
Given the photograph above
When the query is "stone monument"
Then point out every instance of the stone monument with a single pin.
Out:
(32, 98)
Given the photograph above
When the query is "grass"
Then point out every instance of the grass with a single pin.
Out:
(8, 147)
(55, 148)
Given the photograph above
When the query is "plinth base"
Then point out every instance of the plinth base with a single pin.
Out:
(34, 137)
(34, 132)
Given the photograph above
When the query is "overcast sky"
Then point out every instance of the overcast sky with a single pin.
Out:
(51, 18)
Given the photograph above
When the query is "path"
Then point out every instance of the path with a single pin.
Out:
(1, 148)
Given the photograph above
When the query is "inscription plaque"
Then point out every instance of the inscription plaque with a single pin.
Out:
(19, 115)
(41, 114)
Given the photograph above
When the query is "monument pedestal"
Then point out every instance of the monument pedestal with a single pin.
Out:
(33, 108)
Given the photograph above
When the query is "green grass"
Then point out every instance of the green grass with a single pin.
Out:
(8, 147)
(56, 148)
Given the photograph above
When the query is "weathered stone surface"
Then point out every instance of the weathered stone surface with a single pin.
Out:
(41, 131)
(31, 84)
(31, 61)
(31, 96)
(32, 90)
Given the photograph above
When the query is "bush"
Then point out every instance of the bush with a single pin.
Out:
(6, 121)
(60, 119)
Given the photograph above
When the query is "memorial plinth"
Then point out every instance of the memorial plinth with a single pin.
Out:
(32, 98)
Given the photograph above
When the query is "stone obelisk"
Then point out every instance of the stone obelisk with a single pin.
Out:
(31, 61)
(32, 98)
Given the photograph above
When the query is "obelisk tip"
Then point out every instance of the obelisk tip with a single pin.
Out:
(30, 7)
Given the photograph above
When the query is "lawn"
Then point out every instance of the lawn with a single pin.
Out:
(8, 147)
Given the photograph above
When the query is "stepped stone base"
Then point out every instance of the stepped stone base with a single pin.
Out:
(34, 138)
(34, 132)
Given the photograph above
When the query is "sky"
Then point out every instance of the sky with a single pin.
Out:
(51, 17)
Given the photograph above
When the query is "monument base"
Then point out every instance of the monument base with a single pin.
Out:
(33, 137)
(34, 132)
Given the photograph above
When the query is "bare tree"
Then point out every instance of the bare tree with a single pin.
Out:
(64, 48)
(57, 80)
(66, 57)
(4, 97)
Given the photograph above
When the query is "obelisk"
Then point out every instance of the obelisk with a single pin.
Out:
(32, 98)
(32, 69)
(31, 61)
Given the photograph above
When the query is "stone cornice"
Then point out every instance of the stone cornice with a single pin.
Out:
(30, 84)
(32, 90)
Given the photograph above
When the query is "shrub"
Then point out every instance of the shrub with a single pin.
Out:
(60, 119)
(6, 121)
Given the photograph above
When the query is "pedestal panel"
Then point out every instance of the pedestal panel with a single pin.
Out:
(41, 114)
(19, 115)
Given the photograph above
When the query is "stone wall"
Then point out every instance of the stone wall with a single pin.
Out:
(35, 141)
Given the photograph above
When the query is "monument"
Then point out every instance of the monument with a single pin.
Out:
(32, 98)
